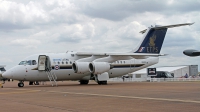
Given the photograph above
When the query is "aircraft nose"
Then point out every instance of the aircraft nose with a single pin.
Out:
(0, 74)
(8, 74)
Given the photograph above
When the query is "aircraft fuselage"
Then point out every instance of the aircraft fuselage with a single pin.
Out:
(61, 64)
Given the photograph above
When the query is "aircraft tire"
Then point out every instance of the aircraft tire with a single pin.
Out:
(20, 84)
(99, 82)
(30, 83)
(102, 82)
(84, 82)
(105, 82)
(36, 83)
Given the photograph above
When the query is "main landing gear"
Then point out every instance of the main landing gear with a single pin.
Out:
(21, 84)
(84, 82)
(101, 79)
(102, 82)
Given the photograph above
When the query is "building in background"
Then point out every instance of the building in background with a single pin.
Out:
(178, 71)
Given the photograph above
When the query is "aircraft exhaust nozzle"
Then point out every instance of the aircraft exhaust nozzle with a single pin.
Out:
(99, 67)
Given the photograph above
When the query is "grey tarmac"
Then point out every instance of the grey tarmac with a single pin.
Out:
(70, 96)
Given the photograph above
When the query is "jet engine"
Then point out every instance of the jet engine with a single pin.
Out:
(80, 67)
(99, 67)
(191, 52)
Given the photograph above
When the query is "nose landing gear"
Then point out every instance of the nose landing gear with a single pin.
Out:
(21, 84)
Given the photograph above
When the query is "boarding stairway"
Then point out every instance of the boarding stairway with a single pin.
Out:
(44, 64)
(52, 77)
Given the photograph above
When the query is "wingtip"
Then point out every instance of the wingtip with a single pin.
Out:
(192, 23)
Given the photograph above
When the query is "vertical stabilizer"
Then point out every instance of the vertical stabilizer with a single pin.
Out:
(153, 40)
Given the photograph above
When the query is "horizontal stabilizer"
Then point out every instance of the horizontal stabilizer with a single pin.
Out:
(172, 26)
(167, 26)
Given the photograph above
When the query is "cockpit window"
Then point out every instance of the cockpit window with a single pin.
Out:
(34, 62)
(22, 63)
(29, 62)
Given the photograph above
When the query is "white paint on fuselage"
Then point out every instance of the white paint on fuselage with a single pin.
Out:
(30, 73)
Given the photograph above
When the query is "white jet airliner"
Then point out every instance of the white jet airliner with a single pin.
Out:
(85, 66)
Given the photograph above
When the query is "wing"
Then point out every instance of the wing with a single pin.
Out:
(119, 54)
(111, 57)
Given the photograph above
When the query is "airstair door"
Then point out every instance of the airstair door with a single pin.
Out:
(44, 63)
(48, 64)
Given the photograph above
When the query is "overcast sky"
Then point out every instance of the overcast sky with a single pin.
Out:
(40, 26)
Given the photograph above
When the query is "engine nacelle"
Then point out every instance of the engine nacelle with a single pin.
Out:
(80, 67)
(99, 67)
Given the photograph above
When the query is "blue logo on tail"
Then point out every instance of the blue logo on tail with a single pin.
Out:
(153, 41)
(152, 45)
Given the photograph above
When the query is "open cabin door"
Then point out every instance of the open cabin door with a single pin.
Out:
(44, 63)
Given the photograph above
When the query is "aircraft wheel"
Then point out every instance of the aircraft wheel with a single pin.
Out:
(99, 82)
(36, 83)
(20, 84)
(105, 83)
(84, 81)
(30, 83)
(102, 82)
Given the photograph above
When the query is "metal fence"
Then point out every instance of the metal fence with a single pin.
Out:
(117, 79)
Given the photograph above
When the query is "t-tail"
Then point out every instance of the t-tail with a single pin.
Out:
(154, 37)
